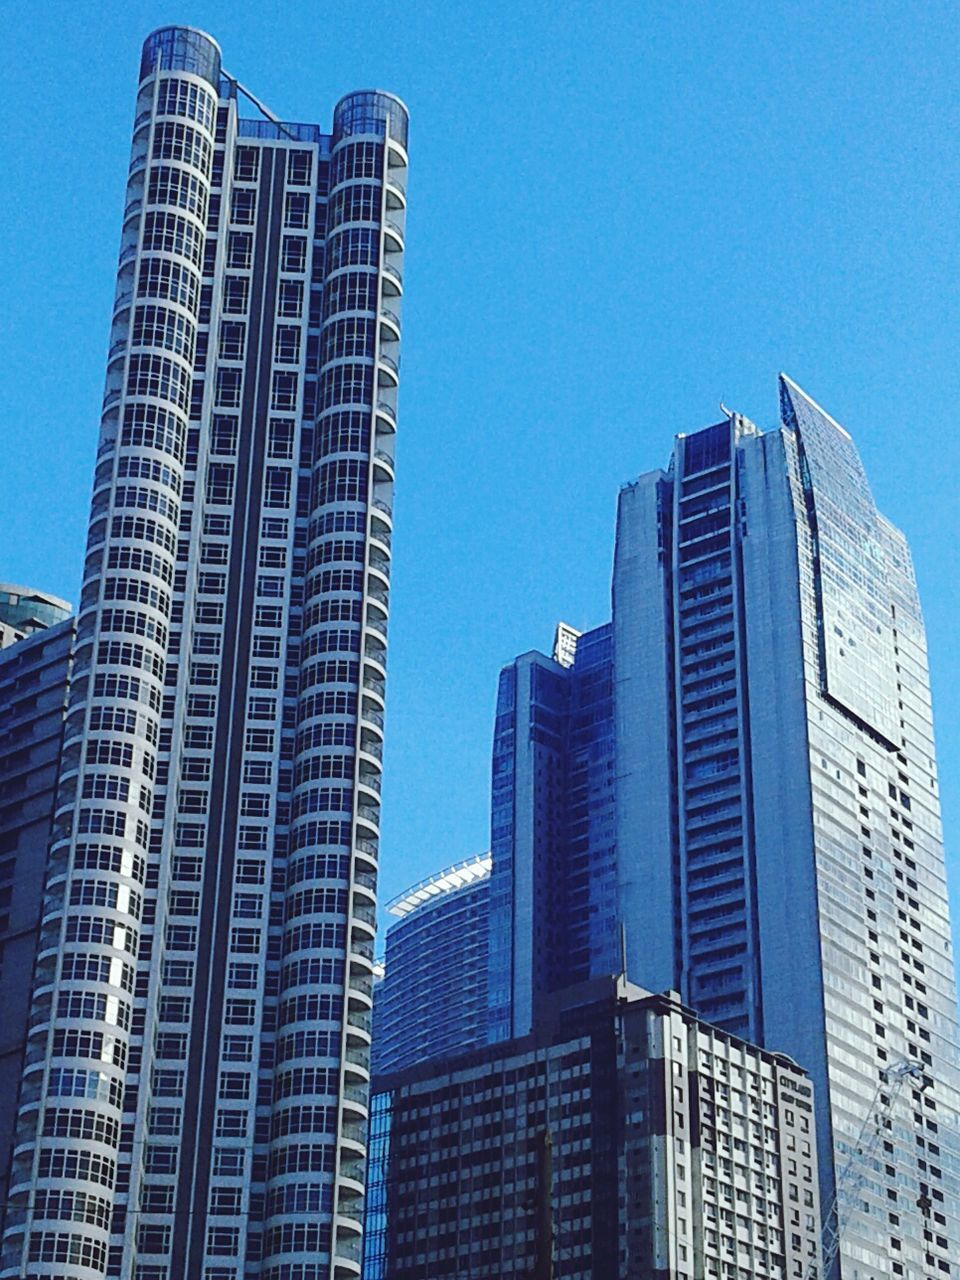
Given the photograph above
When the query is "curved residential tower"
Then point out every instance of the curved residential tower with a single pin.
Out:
(194, 1104)
(432, 1001)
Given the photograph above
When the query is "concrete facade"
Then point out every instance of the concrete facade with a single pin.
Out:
(194, 1103)
(624, 1137)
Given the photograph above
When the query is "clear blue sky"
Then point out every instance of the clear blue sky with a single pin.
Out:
(620, 213)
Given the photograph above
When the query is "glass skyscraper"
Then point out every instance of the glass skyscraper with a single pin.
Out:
(777, 853)
(791, 823)
(553, 909)
(194, 1101)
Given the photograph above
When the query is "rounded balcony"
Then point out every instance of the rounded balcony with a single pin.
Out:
(380, 534)
(366, 855)
(386, 417)
(392, 236)
(356, 1102)
(346, 1268)
(396, 192)
(383, 511)
(389, 326)
(376, 687)
(397, 157)
(366, 793)
(366, 881)
(118, 348)
(388, 371)
(378, 608)
(368, 824)
(383, 466)
(358, 1001)
(378, 584)
(392, 280)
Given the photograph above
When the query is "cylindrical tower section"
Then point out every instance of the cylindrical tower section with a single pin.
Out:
(332, 870)
(64, 1183)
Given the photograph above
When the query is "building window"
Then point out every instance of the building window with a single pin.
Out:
(287, 344)
(294, 253)
(284, 390)
(247, 164)
(239, 250)
(299, 168)
(244, 205)
(236, 291)
(297, 209)
(290, 298)
(229, 387)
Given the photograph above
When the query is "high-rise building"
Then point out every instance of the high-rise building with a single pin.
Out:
(34, 675)
(623, 1138)
(768, 631)
(553, 906)
(194, 1102)
(24, 611)
(432, 1000)
(778, 848)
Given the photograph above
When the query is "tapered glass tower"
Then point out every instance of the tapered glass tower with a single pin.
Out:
(778, 800)
(194, 1103)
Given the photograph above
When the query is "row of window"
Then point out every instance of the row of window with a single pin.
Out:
(140, 498)
(155, 326)
(153, 375)
(168, 232)
(177, 97)
(149, 426)
(67, 1247)
(104, 930)
(352, 291)
(133, 622)
(167, 279)
(137, 591)
(74, 1082)
(357, 160)
(79, 967)
(180, 188)
(175, 141)
(229, 388)
(125, 688)
(355, 204)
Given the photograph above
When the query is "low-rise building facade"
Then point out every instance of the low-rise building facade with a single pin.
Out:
(623, 1137)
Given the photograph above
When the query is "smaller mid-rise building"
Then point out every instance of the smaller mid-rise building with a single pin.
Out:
(622, 1137)
(24, 611)
(34, 677)
(432, 999)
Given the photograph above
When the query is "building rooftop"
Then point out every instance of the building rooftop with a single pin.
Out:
(456, 877)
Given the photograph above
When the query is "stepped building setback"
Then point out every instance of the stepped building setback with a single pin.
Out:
(194, 1100)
